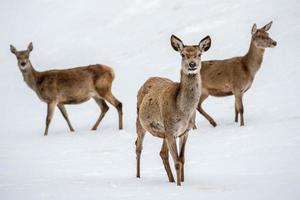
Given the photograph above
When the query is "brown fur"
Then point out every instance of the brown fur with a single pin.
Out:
(69, 86)
(165, 108)
(234, 76)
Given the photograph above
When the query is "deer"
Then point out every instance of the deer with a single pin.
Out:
(69, 86)
(165, 108)
(235, 76)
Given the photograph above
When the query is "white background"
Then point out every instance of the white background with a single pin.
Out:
(258, 161)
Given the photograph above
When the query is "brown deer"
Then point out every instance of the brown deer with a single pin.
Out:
(165, 108)
(234, 76)
(69, 86)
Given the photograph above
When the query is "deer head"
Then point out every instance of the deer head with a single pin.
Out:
(191, 55)
(22, 56)
(261, 38)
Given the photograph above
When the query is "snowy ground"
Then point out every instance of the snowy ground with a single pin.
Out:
(258, 161)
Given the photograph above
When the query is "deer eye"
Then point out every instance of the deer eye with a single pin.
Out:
(183, 55)
(199, 55)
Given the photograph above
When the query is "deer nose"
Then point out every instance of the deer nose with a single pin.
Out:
(192, 64)
(23, 64)
(274, 43)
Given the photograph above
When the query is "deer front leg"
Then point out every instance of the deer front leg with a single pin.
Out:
(202, 112)
(164, 154)
(171, 141)
(182, 142)
(65, 115)
(240, 107)
(50, 110)
(193, 121)
(236, 118)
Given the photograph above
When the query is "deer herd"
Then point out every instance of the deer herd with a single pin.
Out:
(166, 109)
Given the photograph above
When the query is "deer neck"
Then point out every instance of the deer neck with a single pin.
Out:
(253, 58)
(189, 92)
(29, 76)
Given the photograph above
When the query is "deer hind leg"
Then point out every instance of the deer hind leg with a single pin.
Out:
(50, 110)
(65, 115)
(182, 142)
(171, 141)
(239, 106)
(117, 104)
(200, 109)
(139, 145)
(104, 108)
(164, 154)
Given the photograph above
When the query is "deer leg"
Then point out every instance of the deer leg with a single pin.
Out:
(171, 141)
(117, 104)
(182, 142)
(200, 109)
(193, 121)
(139, 145)
(236, 118)
(65, 115)
(50, 110)
(240, 107)
(104, 108)
(164, 154)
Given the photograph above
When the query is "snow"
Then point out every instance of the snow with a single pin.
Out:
(258, 161)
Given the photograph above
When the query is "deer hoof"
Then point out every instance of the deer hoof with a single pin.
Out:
(214, 124)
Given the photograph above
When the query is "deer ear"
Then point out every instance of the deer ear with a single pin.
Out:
(30, 47)
(176, 43)
(205, 43)
(13, 49)
(267, 26)
(254, 29)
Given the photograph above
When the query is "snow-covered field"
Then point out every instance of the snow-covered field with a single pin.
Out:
(258, 161)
